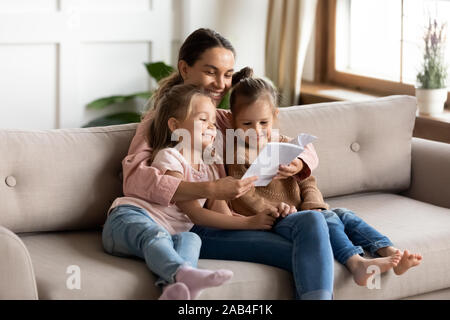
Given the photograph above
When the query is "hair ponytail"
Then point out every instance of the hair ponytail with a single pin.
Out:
(241, 75)
(164, 86)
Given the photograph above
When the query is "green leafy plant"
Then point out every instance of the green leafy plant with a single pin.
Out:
(433, 74)
(156, 70)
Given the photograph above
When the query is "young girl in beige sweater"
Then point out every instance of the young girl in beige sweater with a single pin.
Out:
(253, 105)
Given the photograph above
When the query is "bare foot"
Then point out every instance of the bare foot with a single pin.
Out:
(359, 266)
(407, 261)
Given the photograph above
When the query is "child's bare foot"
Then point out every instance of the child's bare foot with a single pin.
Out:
(359, 266)
(407, 261)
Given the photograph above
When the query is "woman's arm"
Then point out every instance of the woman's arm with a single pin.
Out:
(220, 206)
(301, 167)
(310, 162)
(143, 181)
(222, 219)
(227, 188)
(208, 218)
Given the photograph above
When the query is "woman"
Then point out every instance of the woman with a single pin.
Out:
(207, 60)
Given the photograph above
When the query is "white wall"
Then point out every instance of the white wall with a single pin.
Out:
(58, 55)
(241, 22)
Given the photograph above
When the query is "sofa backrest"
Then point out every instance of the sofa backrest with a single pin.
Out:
(362, 146)
(60, 179)
(67, 179)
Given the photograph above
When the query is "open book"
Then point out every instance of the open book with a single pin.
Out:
(274, 154)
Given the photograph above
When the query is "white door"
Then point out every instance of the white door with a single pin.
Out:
(58, 55)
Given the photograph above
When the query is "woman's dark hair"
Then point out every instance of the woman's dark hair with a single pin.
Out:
(198, 42)
(191, 50)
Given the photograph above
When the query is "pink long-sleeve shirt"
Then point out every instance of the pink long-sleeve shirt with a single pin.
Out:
(141, 180)
(171, 217)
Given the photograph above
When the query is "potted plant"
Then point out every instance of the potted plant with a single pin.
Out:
(431, 88)
(156, 70)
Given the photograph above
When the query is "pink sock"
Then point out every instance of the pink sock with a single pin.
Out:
(199, 279)
(176, 291)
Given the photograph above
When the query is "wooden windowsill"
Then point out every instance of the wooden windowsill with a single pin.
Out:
(320, 92)
(435, 127)
(443, 117)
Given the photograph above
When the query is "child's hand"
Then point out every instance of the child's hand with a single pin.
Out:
(285, 209)
(271, 210)
(230, 188)
(292, 169)
(261, 221)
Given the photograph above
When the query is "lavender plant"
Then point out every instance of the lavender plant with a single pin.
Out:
(433, 74)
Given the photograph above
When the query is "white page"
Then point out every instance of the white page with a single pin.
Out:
(303, 139)
(274, 154)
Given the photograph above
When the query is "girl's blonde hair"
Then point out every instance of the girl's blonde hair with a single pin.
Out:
(175, 103)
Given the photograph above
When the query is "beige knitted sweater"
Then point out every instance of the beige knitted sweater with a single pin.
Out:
(304, 194)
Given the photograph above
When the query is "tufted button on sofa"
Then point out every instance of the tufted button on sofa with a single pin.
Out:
(10, 181)
(58, 185)
(355, 146)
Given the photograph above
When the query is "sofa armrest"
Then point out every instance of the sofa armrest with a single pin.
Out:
(16, 271)
(430, 172)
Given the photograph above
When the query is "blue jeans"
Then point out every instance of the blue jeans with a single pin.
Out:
(350, 235)
(130, 231)
(298, 243)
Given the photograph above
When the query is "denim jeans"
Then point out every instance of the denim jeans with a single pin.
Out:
(130, 231)
(350, 235)
(298, 243)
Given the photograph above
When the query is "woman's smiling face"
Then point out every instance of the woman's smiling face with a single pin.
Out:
(213, 72)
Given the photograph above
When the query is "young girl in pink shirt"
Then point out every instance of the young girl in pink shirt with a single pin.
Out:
(160, 234)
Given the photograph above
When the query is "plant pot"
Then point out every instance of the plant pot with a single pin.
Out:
(431, 101)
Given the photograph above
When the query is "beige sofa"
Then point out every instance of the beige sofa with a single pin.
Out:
(56, 187)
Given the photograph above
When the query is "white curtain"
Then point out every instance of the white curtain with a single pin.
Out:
(289, 27)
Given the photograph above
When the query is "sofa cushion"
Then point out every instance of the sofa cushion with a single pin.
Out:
(104, 276)
(60, 179)
(362, 146)
(410, 224)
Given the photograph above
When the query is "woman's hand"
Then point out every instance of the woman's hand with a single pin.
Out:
(292, 169)
(230, 188)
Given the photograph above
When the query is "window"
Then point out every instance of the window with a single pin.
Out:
(377, 44)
